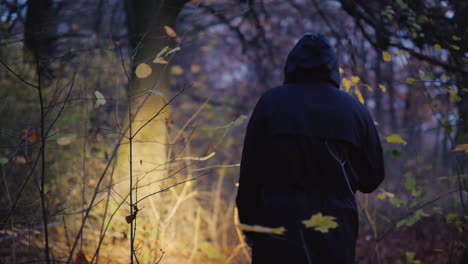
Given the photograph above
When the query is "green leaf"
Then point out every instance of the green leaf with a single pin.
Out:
(417, 215)
(410, 80)
(321, 223)
(395, 153)
(397, 202)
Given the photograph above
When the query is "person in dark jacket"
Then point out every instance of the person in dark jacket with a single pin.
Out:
(308, 148)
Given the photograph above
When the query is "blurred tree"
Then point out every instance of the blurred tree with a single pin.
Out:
(146, 21)
(431, 31)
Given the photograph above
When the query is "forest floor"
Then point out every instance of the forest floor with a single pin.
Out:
(429, 241)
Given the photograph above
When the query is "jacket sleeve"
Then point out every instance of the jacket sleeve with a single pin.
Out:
(371, 171)
(249, 190)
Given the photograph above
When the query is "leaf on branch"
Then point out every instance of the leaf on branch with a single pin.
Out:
(81, 258)
(341, 70)
(410, 80)
(346, 84)
(100, 99)
(462, 147)
(170, 32)
(263, 229)
(130, 218)
(437, 47)
(321, 223)
(453, 95)
(355, 80)
(359, 96)
(456, 38)
(396, 139)
(383, 194)
(369, 87)
(382, 88)
(386, 56)
(445, 77)
(31, 135)
(143, 70)
(455, 47)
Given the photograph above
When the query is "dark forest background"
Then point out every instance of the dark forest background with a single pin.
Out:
(122, 123)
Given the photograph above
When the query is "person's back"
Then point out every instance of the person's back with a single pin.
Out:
(309, 146)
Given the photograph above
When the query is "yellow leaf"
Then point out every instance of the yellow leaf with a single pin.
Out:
(170, 32)
(359, 95)
(386, 56)
(437, 47)
(455, 47)
(143, 70)
(354, 80)
(382, 88)
(321, 223)
(422, 77)
(410, 80)
(161, 53)
(383, 194)
(195, 68)
(177, 70)
(462, 147)
(160, 61)
(369, 87)
(341, 70)
(346, 84)
(456, 38)
(445, 77)
(263, 229)
(396, 139)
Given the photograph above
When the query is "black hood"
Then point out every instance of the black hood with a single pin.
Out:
(313, 58)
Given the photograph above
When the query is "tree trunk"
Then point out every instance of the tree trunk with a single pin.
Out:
(146, 20)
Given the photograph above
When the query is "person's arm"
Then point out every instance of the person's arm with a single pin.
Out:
(371, 171)
(249, 191)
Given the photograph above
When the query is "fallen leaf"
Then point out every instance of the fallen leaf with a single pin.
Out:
(263, 229)
(160, 61)
(396, 139)
(170, 32)
(321, 223)
(143, 70)
(100, 99)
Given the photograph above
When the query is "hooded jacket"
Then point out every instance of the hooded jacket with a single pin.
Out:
(308, 148)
